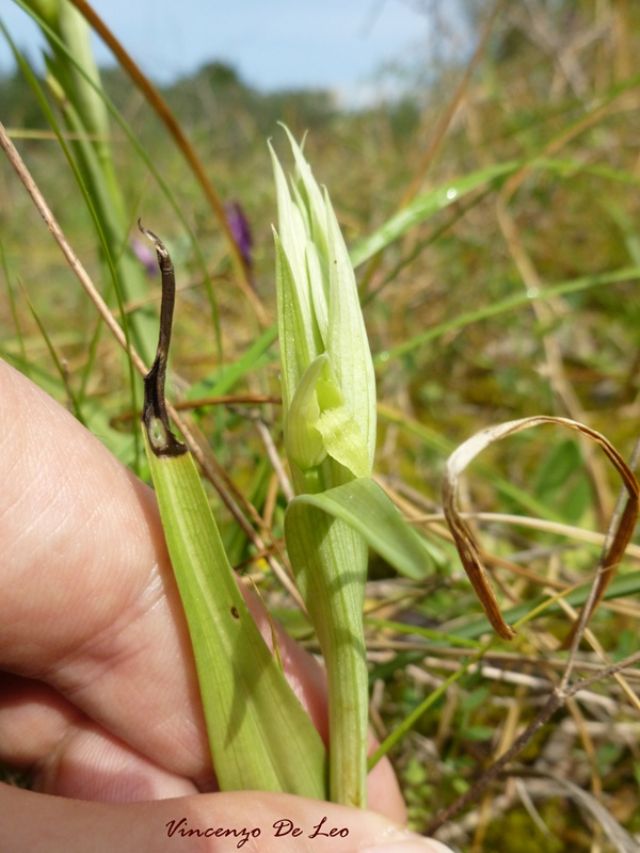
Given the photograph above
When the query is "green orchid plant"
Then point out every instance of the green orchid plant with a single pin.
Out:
(329, 398)
(254, 720)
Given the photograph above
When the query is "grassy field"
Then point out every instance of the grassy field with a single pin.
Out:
(509, 290)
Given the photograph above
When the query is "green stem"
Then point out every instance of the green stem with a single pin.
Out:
(330, 562)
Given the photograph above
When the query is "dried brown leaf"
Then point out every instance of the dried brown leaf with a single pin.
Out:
(465, 539)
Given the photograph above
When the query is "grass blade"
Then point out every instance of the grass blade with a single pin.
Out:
(426, 205)
(260, 736)
(363, 506)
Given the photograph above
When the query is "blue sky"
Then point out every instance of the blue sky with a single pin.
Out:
(338, 44)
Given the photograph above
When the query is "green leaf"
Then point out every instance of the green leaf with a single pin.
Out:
(557, 466)
(479, 732)
(363, 505)
(510, 303)
(424, 206)
(261, 738)
(427, 204)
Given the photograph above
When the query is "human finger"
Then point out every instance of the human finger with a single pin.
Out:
(91, 608)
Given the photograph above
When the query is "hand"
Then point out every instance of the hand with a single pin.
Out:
(98, 691)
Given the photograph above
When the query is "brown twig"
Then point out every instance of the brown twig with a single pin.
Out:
(274, 458)
(555, 701)
(214, 400)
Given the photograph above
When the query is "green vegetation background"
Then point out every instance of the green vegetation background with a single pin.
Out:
(557, 80)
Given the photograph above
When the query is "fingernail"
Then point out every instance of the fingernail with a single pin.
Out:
(416, 844)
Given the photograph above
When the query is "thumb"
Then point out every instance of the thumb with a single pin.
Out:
(254, 822)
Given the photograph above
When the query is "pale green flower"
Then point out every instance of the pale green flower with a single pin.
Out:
(328, 381)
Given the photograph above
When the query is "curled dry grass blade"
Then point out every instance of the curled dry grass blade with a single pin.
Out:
(465, 539)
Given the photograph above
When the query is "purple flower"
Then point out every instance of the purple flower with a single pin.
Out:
(145, 255)
(239, 227)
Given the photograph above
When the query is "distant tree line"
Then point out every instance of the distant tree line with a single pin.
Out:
(206, 98)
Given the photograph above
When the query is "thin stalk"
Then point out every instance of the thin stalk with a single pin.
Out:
(72, 397)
